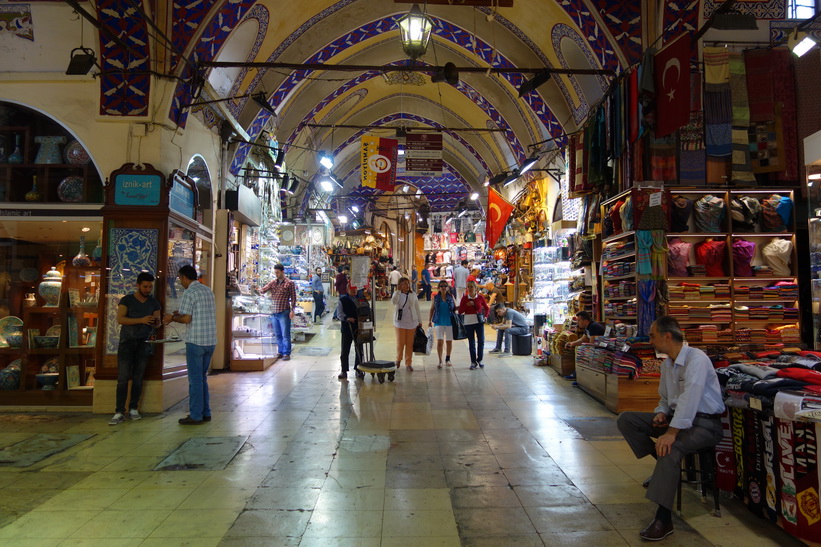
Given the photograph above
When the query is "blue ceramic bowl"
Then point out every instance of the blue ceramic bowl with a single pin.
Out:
(48, 380)
(46, 341)
(14, 340)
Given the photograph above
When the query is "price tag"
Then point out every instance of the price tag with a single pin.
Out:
(655, 199)
(755, 403)
(607, 330)
(367, 325)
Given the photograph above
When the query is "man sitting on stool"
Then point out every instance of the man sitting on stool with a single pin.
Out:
(590, 328)
(512, 322)
(686, 420)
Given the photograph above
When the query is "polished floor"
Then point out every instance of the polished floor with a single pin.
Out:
(438, 458)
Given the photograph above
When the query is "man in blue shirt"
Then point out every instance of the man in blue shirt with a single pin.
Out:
(511, 322)
(686, 420)
(426, 282)
(319, 294)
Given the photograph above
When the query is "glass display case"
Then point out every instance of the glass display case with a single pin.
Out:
(814, 213)
(252, 340)
(551, 287)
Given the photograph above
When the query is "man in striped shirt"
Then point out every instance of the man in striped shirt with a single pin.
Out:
(283, 297)
(198, 312)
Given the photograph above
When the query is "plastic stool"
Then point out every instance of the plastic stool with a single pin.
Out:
(522, 344)
(700, 475)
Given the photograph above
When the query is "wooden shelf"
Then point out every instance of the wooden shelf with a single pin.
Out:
(702, 322)
(698, 234)
(703, 301)
(619, 257)
(618, 236)
(631, 276)
(685, 279)
(620, 317)
(749, 279)
(618, 298)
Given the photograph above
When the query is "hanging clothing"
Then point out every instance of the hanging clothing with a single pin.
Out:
(678, 257)
(745, 212)
(658, 256)
(680, 215)
(709, 214)
(743, 253)
(644, 265)
(778, 256)
(711, 253)
(647, 306)
(626, 214)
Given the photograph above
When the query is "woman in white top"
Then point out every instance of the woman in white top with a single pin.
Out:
(406, 318)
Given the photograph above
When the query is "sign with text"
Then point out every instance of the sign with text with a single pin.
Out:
(423, 155)
(137, 189)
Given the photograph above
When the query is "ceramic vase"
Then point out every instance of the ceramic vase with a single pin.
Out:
(82, 259)
(49, 288)
(49, 149)
(34, 194)
(17, 155)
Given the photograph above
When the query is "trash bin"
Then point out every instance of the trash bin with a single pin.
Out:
(522, 344)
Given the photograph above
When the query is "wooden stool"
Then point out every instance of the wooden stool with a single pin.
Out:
(700, 469)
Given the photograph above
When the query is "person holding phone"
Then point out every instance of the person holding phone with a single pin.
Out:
(406, 318)
(138, 314)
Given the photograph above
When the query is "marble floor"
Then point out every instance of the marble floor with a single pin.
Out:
(440, 457)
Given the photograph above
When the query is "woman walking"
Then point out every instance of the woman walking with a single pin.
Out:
(444, 304)
(406, 318)
(475, 310)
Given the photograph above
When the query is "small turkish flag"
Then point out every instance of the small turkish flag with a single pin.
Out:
(498, 211)
(671, 69)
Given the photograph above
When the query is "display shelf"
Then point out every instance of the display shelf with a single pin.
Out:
(704, 322)
(760, 300)
(631, 276)
(697, 234)
(685, 279)
(766, 279)
(702, 301)
(618, 298)
(617, 237)
(619, 257)
(620, 317)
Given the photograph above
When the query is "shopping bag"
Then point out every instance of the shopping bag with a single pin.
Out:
(420, 341)
(458, 324)
(430, 341)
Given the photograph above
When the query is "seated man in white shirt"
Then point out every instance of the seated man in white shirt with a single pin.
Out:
(686, 420)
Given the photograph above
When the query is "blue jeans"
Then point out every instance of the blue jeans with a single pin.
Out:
(198, 359)
(507, 336)
(319, 304)
(132, 356)
(476, 341)
(281, 322)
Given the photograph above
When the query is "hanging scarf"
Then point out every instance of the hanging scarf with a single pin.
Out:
(644, 264)
(647, 306)
(658, 255)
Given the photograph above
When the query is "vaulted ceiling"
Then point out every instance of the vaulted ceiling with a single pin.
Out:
(576, 34)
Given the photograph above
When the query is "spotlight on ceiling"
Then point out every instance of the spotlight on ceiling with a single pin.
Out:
(405, 189)
(286, 181)
(414, 31)
(326, 184)
(326, 160)
(800, 42)
(734, 20)
(342, 218)
(538, 79)
(280, 159)
(511, 178)
(528, 164)
(447, 73)
(82, 60)
(336, 180)
(401, 133)
(474, 196)
(262, 102)
(496, 179)
(355, 208)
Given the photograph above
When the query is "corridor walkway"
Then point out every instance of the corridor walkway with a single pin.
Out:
(438, 458)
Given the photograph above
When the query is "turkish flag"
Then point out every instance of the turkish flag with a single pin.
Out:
(498, 211)
(671, 69)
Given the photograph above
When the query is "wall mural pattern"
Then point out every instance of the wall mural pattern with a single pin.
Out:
(130, 251)
(449, 183)
(623, 19)
(188, 17)
(762, 9)
(678, 19)
(559, 32)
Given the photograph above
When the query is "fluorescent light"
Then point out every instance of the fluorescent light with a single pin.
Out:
(343, 219)
(407, 216)
(418, 193)
(326, 160)
(401, 152)
(400, 239)
(474, 196)
(815, 176)
(487, 181)
(463, 212)
(326, 184)
(368, 232)
(803, 46)
(513, 177)
(405, 188)
(355, 208)
(85, 229)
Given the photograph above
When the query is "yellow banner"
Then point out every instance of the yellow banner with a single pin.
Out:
(370, 146)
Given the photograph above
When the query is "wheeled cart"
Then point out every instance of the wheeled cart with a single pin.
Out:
(364, 348)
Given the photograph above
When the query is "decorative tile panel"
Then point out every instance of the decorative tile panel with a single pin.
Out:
(623, 20)
(762, 9)
(129, 252)
(678, 19)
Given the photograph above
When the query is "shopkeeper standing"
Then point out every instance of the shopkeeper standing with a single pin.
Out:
(590, 328)
(283, 297)
(460, 279)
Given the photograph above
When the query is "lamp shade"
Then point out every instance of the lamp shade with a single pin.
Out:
(415, 28)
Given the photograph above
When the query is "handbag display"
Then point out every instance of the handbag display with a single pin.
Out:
(458, 324)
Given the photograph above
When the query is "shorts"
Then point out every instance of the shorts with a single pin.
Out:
(443, 333)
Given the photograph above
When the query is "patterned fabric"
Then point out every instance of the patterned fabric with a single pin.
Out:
(658, 254)
(644, 265)
(678, 257)
(283, 294)
(198, 302)
(709, 214)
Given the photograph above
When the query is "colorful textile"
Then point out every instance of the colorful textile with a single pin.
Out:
(778, 255)
(711, 253)
(678, 257)
(742, 167)
(663, 158)
(680, 215)
(709, 214)
(758, 70)
(644, 265)
(743, 253)
(738, 90)
(716, 66)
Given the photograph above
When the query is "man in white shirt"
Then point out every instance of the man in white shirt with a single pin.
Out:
(394, 278)
(460, 279)
(686, 420)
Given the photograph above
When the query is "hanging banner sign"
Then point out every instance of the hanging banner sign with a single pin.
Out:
(423, 155)
(379, 162)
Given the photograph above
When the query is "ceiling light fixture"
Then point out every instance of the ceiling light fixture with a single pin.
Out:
(82, 61)
(474, 196)
(538, 79)
(355, 208)
(326, 160)
(326, 184)
(262, 102)
(280, 159)
(800, 42)
(511, 178)
(405, 189)
(414, 31)
(447, 73)
(343, 219)
(496, 179)
(528, 164)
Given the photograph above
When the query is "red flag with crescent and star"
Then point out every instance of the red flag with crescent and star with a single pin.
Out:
(498, 211)
(671, 67)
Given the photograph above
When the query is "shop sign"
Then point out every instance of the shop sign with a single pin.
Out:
(423, 155)
(181, 199)
(137, 189)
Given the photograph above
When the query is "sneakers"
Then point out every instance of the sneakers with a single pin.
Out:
(117, 419)
(134, 415)
(481, 364)
(504, 354)
(343, 375)
(495, 350)
(286, 357)
(473, 366)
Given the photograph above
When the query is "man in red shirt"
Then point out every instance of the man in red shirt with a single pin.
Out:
(283, 297)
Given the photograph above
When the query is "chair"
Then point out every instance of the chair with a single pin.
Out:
(699, 469)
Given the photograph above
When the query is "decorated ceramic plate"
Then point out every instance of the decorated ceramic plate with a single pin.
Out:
(54, 331)
(29, 275)
(52, 365)
(75, 154)
(17, 365)
(71, 189)
(10, 326)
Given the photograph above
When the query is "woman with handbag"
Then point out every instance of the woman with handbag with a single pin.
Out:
(406, 318)
(444, 304)
(475, 311)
